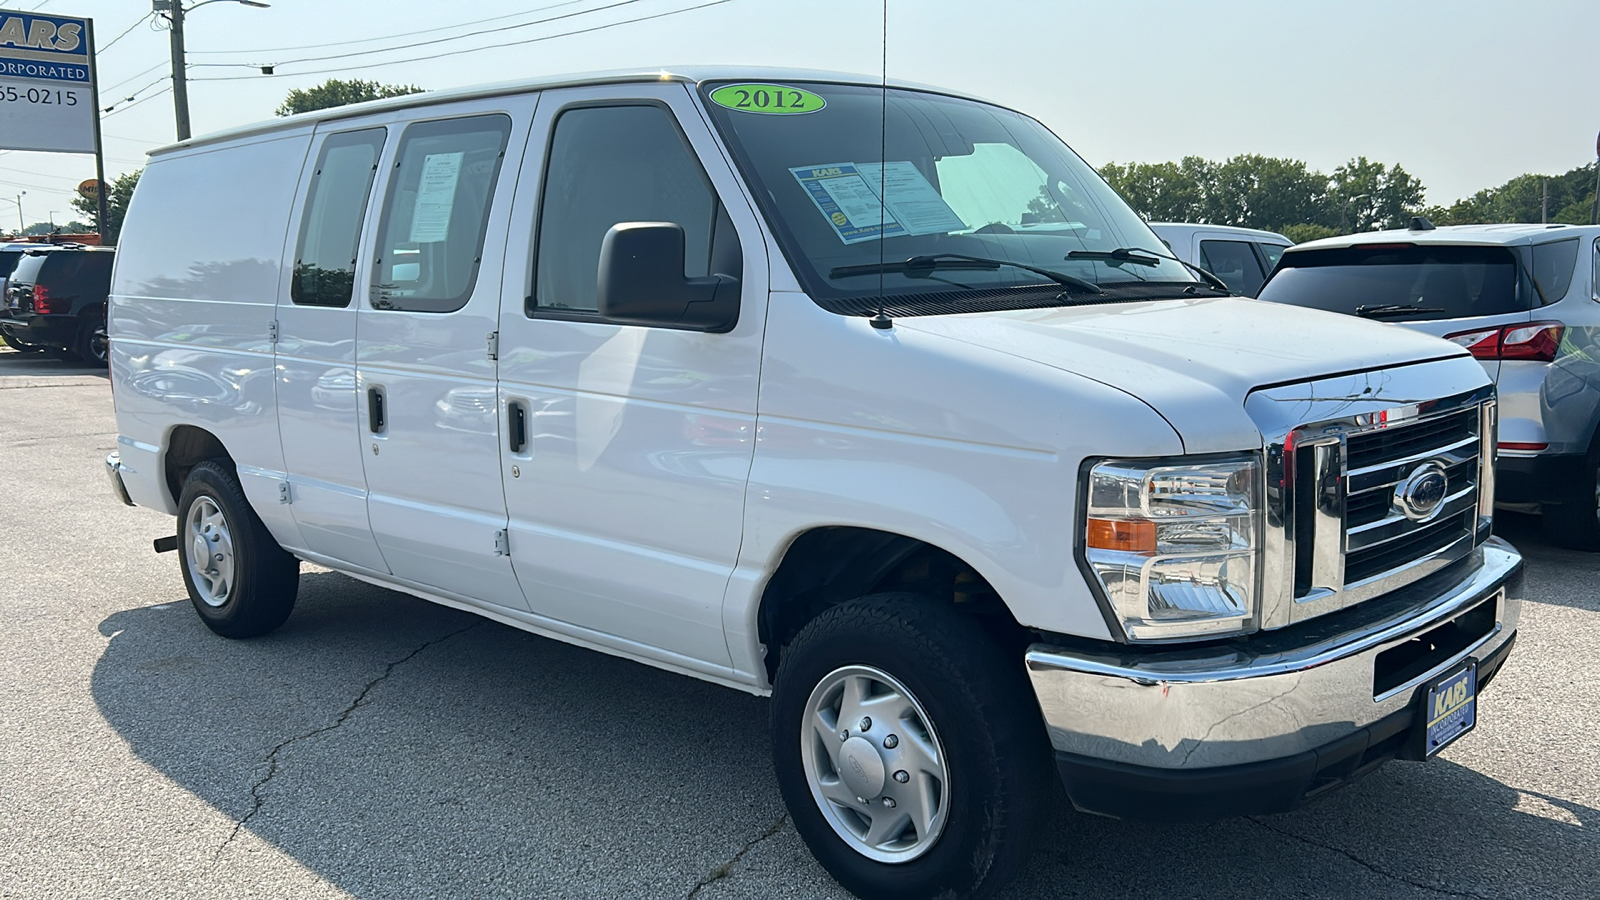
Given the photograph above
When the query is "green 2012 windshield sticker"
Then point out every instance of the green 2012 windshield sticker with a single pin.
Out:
(769, 99)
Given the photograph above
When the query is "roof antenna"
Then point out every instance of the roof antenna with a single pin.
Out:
(881, 321)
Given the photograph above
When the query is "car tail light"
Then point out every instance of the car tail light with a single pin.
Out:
(1533, 340)
(41, 299)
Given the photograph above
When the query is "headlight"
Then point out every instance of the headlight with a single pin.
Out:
(1176, 548)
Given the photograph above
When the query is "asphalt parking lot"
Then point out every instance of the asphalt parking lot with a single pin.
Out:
(378, 746)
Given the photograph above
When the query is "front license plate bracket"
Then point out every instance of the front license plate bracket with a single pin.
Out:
(1448, 708)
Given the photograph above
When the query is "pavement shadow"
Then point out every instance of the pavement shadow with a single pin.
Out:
(398, 748)
(1556, 575)
(42, 364)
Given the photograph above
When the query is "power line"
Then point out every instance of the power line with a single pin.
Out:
(100, 50)
(130, 97)
(392, 62)
(124, 109)
(386, 37)
(131, 78)
(443, 40)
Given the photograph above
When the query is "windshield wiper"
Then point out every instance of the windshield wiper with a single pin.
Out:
(1129, 255)
(919, 265)
(1384, 310)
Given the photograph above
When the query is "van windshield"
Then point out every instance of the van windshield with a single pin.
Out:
(1400, 282)
(947, 176)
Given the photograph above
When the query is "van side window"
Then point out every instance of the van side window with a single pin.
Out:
(1235, 263)
(430, 242)
(330, 228)
(611, 164)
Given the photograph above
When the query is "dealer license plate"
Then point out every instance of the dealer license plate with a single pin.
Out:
(1450, 707)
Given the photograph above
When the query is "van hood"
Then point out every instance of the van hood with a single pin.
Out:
(1193, 360)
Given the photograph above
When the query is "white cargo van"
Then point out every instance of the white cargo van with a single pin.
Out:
(914, 427)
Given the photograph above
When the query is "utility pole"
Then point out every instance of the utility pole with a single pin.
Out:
(21, 225)
(180, 77)
(1544, 201)
(1594, 215)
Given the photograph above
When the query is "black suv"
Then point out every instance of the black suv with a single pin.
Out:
(56, 298)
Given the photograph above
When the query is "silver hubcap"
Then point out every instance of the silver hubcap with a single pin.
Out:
(210, 552)
(875, 764)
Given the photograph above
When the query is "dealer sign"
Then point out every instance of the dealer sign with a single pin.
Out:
(46, 83)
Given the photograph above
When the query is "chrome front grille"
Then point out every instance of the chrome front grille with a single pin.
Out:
(1369, 488)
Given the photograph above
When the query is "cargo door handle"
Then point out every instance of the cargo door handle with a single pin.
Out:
(517, 426)
(375, 417)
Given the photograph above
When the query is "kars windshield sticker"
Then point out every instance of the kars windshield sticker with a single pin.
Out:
(767, 99)
(848, 203)
(848, 196)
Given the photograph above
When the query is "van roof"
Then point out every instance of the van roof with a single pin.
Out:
(1192, 227)
(681, 74)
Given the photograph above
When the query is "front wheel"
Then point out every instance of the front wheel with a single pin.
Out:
(908, 748)
(240, 581)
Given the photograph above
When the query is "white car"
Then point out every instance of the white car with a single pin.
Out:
(1242, 257)
(937, 450)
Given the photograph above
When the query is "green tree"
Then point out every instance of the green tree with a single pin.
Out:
(1165, 192)
(338, 92)
(1264, 192)
(1366, 195)
(116, 205)
(1523, 199)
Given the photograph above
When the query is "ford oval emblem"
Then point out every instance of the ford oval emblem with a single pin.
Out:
(1420, 495)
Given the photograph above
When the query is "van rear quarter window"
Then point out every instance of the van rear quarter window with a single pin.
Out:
(1437, 282)
(436, 213)
(336, 205)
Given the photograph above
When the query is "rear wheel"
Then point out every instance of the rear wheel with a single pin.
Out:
(19, 346)
(1576, 523)
(92, 346)
(240, 581)
(908, 748)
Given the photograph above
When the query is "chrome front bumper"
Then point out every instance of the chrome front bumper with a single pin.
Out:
(1265, 698)
(114, 472)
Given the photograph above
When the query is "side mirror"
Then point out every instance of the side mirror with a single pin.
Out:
(641, 282)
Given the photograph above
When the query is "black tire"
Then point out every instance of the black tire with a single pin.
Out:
(91, 345)
(19, 346)
(1576, 523)
(260, 593)
(980, 703)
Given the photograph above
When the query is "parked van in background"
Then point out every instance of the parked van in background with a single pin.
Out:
(678, 366)
(1242, 257)
(1524, 300)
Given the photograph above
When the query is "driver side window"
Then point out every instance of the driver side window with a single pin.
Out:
(613, 164)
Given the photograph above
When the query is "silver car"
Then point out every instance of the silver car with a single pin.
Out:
(1525, 299)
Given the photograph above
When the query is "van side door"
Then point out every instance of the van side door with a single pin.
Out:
(628, 446)
(424, 366)
(315, 353)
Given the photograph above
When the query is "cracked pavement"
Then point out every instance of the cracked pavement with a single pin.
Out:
(378, 746)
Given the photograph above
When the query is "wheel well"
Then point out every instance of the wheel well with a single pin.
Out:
(187, 447)
(828, 566)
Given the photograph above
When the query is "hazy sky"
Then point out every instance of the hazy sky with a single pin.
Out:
(1464, 94)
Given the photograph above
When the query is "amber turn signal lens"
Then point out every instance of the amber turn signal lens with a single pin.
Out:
(1132, 535)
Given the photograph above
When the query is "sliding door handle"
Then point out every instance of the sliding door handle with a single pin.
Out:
(375, 411)
(517, 426)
